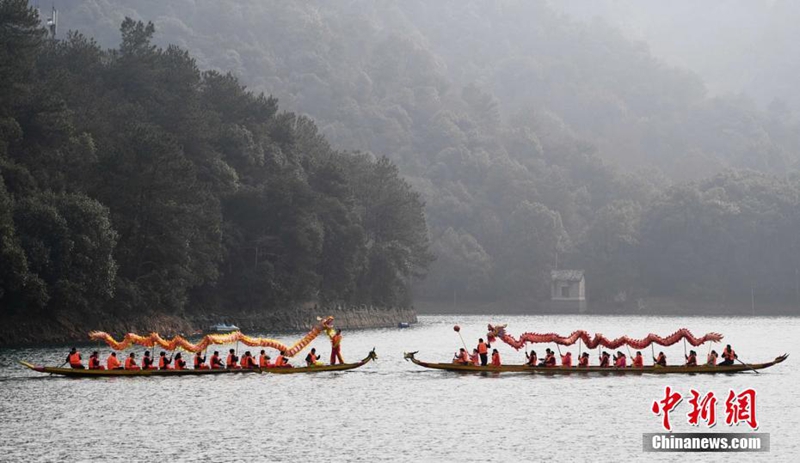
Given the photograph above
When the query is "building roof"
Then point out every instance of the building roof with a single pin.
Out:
(566, 275)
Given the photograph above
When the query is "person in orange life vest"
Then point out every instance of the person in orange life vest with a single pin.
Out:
(112, 363)
(661, 360)
(712, 358)
(638, 360)
(532, 358)
(147, 362)
(461, 357)
(232, 360)
(620, 361)
(605, 360)
(728, 356)
(495, 358)
(251, 363)
(74, 359)
(483, 351)
(281, 361)
(584, 360)
(549, 359)
(691, 359)
(312, 359)
(163, 361)
(475, 358)
(94, 362)
(263, 360)
(200, 362)
(336, 348)
(180, 364)
(566, 359)
(130, 362)
(216, 363)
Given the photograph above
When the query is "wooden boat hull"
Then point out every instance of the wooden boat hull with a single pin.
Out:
(559, 370)
(73, 373)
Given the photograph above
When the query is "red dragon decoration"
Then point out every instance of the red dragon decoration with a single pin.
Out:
(598, 339)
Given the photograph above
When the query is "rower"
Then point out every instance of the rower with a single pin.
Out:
(475, 358)
(180, 364)
(216, 363)
(495, 358)
(461, 358)
(200, 362)
(605, 360)
(566, 360)
(728, 356)
(163, 361)
(531, 358)
(232, 360)
(336, 348)
(281, 361)
(147, 362)
(691, 359)
(584, 360)
(112, 363)
(263, 360)
(712, 359)
(638, 360)
(94, 362)
(620, 361)
(549, 359)
(661, 360)
(246, 361)
(130, 362)
(311, 358)
(74, 359)
(251, 361)
(483, 351)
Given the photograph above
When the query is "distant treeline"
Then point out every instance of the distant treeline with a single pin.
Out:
(131, 182)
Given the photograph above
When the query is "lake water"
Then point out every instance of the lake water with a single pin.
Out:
(392, 410)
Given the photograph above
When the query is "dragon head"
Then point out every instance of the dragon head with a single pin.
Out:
(495, 332)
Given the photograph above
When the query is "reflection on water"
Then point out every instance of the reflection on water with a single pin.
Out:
(392, 410)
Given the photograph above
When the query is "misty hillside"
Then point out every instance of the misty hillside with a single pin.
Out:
(536, 140)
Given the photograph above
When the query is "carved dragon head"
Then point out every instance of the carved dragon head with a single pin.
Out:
(495, 332)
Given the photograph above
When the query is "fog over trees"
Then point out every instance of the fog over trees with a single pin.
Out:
(463, 147)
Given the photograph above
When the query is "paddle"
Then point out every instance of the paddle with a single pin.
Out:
(748, 366)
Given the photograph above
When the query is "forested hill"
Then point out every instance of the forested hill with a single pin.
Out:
(133, 183)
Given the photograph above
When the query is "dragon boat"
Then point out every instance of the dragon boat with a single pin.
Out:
(78, 373)
(560, 370)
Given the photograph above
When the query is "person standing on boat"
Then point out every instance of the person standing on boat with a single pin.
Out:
(312, 359)
(661, 360)
(495, 358)
(74, 359)
(475, 358)
(566, 360)
(583, 362)
(728, 356)
(180, 364)
(200, 362)
(532, 358)
(216, 363)
(263, 360)
(94, 361)
(112, 363)
(147, 362)
(231, 363)
(130, 362)
(483, 351)
(163, 361)
(712, 359)
(638, 360)
(336, 348)
(691, 359)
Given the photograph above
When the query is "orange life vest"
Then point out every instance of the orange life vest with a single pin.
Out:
(75, 359)
(179, 364)
(94, 363)
(566, 360)
(583, 362)
(726, 354)
(638, 361)
(112, 363)
(130, 364)
(215, 361)
(262, 361)
(280, 361)
(692, 360)
(496, 359)
(482, 348)
(532, 360)
(550, 360)
(147, 362)
(661, 360)
(163, 363)
(198, 361)
(712, 359)
(312, 358)
(604, 361)
(475, 359)
(231, 363)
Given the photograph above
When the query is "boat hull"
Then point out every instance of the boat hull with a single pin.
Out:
(77, 373)
(559, 370)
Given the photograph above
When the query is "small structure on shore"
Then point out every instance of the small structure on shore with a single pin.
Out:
(567, 291)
